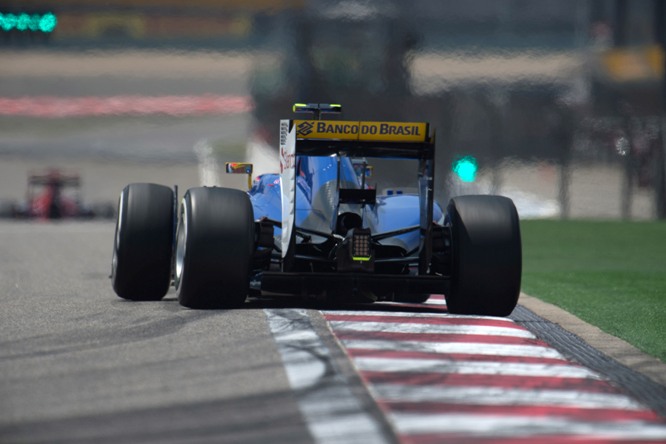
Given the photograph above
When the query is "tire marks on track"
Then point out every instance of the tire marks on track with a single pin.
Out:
(445, 378)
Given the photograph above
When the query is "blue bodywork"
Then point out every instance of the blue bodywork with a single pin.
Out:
(317, 205)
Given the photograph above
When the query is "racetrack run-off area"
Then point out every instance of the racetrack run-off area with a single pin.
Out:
(446, 378)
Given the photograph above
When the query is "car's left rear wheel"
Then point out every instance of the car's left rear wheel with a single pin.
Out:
(214, 248)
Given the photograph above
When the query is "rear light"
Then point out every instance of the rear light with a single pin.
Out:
(361, 245)
(356, 253)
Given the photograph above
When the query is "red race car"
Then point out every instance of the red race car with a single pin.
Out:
(54, 194)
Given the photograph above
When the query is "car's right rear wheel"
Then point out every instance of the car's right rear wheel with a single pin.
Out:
(486, 255)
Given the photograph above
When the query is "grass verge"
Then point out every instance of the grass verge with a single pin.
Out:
(610, 274)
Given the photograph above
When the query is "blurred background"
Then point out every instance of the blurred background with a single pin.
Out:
(559, 104)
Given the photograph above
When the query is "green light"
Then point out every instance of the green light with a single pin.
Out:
(48, 22)
(466, 168)
(8, 22)
(22, 22)
(45, 23)
(34, 22)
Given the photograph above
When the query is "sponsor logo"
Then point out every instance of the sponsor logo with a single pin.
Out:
(287, 160)
(284, 132)
(399, 130)
(362, 131)
(304, 128)
(326, 129)
(337, 128)
(393, 129)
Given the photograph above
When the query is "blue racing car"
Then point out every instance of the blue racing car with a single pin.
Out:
(319, 229)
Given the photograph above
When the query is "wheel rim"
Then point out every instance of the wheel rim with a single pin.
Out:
(181, 243)
(119, 223)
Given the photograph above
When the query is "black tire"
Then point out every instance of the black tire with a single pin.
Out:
(486, 255)
(214, 248)
(143, 245)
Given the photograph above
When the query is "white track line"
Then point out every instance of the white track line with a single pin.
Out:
(523, 426)
(340, 326)
(532, 351)
(502, 396)
(389, 314)
(445, 366)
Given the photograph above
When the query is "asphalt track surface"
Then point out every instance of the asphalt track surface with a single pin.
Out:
(78, 364)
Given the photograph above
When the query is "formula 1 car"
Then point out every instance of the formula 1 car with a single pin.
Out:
(54, 194)
(317, 229)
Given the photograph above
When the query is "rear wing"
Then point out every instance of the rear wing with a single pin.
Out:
(54, 178)
(402, 140)
(410, 140)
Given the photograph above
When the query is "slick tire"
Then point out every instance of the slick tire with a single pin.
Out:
(214, 248)
(143, 244)
(486, 255)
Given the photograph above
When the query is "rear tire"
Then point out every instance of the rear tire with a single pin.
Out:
(486, 255)
(143, 245)
(214, 248)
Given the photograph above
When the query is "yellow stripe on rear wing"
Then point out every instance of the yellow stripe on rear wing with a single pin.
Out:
(362, 131)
